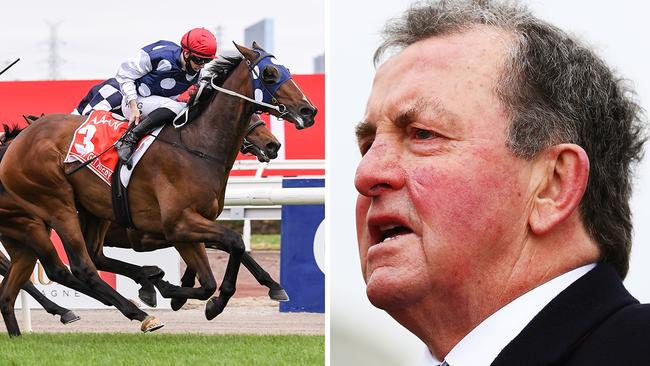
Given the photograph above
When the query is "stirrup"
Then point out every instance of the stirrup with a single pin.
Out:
(129, 162)
(125, 150)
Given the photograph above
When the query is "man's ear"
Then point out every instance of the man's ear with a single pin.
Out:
(566, 172)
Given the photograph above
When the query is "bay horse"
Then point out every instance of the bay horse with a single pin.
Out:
(13, 220)
(260, 142)
(66, 316)
(175, 193)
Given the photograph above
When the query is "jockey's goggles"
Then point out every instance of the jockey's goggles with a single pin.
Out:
(200, 60)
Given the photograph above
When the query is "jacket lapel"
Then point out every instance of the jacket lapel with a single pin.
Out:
(567, 320)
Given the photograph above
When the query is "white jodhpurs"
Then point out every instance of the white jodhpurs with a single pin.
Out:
(148, 104)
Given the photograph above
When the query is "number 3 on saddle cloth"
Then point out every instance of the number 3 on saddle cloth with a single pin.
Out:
(94, 138)
(96, 135)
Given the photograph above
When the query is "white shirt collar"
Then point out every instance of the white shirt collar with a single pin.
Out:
(484, 343)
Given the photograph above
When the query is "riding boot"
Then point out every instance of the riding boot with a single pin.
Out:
(127, 143)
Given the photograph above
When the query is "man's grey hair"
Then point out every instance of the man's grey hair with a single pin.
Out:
(555, 90)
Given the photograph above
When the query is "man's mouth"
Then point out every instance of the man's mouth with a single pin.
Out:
(389, 231)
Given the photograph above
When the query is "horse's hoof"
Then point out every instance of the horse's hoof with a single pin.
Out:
(153, 272)
(212, 308)
(177, 303)
(69, 317)
(148, 296)
(151, 323)
(278, 295)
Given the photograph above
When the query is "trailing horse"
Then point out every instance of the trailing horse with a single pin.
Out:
(174, 194)
(13, 225)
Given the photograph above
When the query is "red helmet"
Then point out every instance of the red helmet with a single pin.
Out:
(200, 42)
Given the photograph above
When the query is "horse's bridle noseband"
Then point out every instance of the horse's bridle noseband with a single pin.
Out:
(247, 145)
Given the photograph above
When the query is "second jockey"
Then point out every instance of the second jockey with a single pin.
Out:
(148, 85)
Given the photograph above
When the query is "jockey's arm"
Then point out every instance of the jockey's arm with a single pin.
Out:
(128, 72)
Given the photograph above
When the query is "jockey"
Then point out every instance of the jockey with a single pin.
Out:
(148, 85)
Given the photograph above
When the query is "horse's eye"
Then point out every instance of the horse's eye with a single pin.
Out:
(270, 74)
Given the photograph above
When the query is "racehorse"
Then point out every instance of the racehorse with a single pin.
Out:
(13, 220)
(15, 227)
(260, 142)
(175, 193)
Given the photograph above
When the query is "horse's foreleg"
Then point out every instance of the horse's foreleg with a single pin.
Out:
(276, 292)
(194, 228)
(22, 266)
(67, 226)
(197, 261)
(92, 232)
(57, 271)
(188, 280)
(232, 241)
(147, 292)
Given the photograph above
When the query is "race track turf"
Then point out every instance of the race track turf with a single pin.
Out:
(160, 349)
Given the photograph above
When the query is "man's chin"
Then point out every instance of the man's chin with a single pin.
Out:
(386, 291)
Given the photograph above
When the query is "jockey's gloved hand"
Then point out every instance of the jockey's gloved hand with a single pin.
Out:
(135, 112)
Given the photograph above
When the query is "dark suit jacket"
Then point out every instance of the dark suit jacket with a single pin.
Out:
(595, 321)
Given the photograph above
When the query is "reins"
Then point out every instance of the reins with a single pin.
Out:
(280, 107)
(182, 146)
(246, 145)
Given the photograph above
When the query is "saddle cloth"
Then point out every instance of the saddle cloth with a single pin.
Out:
(97, 134)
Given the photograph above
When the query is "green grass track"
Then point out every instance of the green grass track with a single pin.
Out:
(160, 349)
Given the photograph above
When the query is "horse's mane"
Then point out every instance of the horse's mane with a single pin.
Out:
(9, 133)
(222, 68)
(218, 71)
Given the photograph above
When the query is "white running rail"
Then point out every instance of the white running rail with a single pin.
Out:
(260, 198)
(293, 164)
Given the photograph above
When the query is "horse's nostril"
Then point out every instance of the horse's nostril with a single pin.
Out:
(272, 146)
(307, 111)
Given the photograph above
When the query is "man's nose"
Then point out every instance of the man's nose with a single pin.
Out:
(379, 171)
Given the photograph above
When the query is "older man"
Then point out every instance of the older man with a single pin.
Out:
(493, 218)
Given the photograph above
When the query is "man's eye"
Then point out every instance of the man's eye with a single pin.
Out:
(420, 134)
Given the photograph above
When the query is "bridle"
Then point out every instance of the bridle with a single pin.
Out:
(246, 146)
(269, 104)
